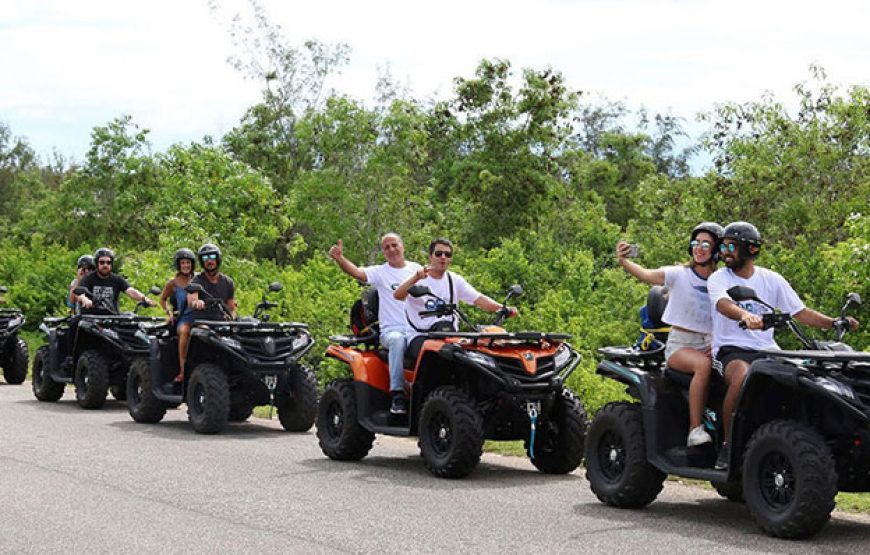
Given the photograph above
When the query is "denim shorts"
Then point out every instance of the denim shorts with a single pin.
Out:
(684, 339)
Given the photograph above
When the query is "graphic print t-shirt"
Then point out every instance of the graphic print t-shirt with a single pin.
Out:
(104, 289)
(689, 302)
(224, 290)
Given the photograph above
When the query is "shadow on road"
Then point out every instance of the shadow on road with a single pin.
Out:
(68, 404)
(726, 523)
(175, 429)
(408, 471)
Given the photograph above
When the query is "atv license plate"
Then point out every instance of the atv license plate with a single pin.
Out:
(271, 382)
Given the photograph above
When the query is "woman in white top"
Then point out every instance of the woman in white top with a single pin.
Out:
(688, 313)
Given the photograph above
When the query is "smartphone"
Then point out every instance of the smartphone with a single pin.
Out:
(633, 251)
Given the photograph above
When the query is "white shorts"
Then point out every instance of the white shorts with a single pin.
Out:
(683, 339)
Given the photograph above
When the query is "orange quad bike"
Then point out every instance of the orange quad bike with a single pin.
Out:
(464, 387)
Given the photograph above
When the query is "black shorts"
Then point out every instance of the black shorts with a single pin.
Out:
(728, 353)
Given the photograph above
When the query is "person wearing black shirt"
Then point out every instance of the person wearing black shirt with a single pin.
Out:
(106, 286)
(215, 286)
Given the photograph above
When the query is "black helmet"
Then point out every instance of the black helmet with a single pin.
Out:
(209, 248)
(713, 229)
(86, 260)
(103, 253)
(183, 254)
(746, 235)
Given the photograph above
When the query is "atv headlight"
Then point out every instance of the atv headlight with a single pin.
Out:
(14, 322)
(142, 336)
(300, 341)
(111, 333)
(834, 386)
(562, 356)
(231, 343)
(479, 358)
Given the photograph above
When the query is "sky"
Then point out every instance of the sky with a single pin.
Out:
(66, 67)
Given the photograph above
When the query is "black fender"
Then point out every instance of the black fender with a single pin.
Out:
(640, 383)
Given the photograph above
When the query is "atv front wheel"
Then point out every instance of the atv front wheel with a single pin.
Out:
(142, 404)
(208, 399)
(616, 464)
(560, 436)
(338, 431)
(451, 433)
(44, 388)
(789, 479)
(15, 366)
(92, 380)
(298, 410)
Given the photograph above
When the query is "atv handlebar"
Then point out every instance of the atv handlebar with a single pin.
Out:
(771, 320)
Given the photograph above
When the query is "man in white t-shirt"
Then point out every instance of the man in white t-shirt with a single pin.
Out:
(391, 312)
(450, 287)
(734, 348)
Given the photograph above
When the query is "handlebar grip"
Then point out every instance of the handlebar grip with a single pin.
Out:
(742, 324)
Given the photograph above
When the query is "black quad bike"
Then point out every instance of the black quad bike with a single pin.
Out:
(800, 433)
(97, 359)
(232, 366)
(13, 349)
(465, 387)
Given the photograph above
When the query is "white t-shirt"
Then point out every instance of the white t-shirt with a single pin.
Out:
(462, 291)
(770, 287)
(386, 279)
(688, 303)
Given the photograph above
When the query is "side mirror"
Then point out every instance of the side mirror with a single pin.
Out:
(3, 289)
(81, 290)
(419, 291)
(515, 290)
(275, 286)
(742, 293)
(155, 290)
(194, 288)
(853, 299)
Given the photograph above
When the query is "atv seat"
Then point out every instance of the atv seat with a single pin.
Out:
(718, 387)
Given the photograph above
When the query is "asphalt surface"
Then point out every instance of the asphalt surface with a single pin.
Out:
(76, 481)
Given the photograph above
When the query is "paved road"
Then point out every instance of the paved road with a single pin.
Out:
(76, 481)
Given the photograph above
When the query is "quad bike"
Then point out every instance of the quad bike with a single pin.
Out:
(232, 366)
(464, 387)
(800, 432)
(13, 349)
(96, 359)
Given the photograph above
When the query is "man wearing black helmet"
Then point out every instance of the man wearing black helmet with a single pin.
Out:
(215, 284)
(178, 312)
(106, 286)
(734, 348)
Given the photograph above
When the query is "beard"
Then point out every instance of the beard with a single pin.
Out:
(735, 263)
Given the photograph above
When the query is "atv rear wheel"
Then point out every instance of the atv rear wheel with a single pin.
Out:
(732, 491)
(451, 433)
(338, 431)
(298, 410)
(208, 399)
(15, 365)
(561, 436)
(616, 464)
(789, 479)
(44, 388)
(142, 404)
(92, 380)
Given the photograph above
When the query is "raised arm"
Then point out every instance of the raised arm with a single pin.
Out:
(653, 277)
(401, 291)
(336, 252)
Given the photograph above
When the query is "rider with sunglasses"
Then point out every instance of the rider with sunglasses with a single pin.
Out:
(734, 348)
(107, 286)
(444, 284)
(85, 265)
(688, 313)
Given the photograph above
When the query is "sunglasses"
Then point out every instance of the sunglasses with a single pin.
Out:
(209, 257)
(730, 247)
(444, 254)
(705, 245)
(104, 262)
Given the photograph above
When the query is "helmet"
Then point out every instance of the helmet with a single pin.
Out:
(103, 253)
(183, 254)
(86, 260)
(713, 229)
(746, 235)
(209, 248)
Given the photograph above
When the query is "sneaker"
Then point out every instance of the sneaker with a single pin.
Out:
(724, 456)
(698, 436)
(399, 404)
